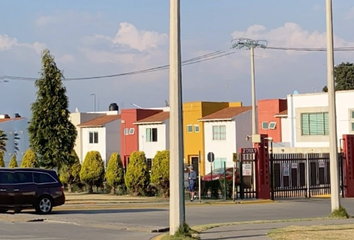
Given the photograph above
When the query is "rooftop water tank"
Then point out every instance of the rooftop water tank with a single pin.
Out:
(113, 107)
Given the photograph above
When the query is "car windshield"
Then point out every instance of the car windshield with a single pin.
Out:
(218, 171)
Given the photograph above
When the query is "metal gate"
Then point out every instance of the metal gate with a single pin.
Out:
(248, 173)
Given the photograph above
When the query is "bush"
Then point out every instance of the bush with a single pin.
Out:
(30, 160)
(13, 162)
(115, 172)
(70, 174)
(160, 172)
(2, 162)
(92, 170)
(137, 175)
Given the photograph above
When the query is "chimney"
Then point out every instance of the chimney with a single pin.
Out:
(3, 116)
(17, 115)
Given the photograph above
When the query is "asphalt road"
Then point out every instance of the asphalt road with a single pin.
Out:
(136, 221)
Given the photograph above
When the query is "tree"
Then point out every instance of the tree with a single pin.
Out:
(344, 77)
(160, 172)
(16, 140)
(69, 174)
(2, 162)
(115, 172)
(13, 162)
(30, 159)
(92, 170)
(51, 133)
(3, 139)
(137, 176)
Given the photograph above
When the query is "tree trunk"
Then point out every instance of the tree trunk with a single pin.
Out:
(90, 189)
(113, 190)
(69, 187)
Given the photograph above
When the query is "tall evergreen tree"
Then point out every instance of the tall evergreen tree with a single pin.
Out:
(52, 135)
(3, 139)
(115, 172)
(13, 162)
(70, 174)
(343, 77)
(2, 162)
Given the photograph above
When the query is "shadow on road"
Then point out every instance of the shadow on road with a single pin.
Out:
(94, 211)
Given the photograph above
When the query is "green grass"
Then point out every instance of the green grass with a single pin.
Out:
(184, 232)
(339, 213)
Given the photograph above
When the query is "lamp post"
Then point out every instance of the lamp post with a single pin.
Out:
(94, 101)
(177, 207)
(251, 45)
(333, 148)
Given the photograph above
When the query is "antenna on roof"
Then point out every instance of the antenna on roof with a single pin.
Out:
(135, 105)
(166, 104)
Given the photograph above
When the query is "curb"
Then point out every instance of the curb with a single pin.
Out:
(321, 196)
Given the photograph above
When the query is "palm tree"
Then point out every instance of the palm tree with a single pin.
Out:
(3, 139)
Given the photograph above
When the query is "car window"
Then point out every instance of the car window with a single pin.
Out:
(43, 178)
(24, 177)
(7, 177)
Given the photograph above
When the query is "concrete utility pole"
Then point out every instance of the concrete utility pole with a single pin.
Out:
(251, 45)
(333, 155)
(177, 208)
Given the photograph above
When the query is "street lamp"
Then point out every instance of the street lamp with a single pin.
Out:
(94, 101)
(251, 44)
(333, 148)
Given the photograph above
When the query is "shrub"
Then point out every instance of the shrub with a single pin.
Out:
(13, 162)
(160, 172)
(92, 170)
(137, 175)
(70, 174)
(30, 160)
(2, 162)
(115, 172)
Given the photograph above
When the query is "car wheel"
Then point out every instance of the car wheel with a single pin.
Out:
(44, 205)
(3, 210)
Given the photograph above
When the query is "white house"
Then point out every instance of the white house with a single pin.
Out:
(101, 134)
(225, 132)
(153, 134)
(12, 127)
(307, 118)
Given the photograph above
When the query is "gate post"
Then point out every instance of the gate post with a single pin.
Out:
(348, 143)
(262, 168)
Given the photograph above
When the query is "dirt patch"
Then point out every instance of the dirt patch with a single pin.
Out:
(320, 232)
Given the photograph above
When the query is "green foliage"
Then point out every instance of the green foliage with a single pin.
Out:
(340, 213)
(70, 173)
(115, 172)
(13, 162)
(3, 139)
(51, 133)
(92, 170)
(30, 160)
(137, 176)
(344, 77)
(160, 172)
(2, 162)
(184, 232)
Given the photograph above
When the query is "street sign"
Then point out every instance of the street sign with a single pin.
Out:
(248, 150)
(211, 157)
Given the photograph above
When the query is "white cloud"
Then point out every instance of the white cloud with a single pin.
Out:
(7, 43)
(66, 58)
(45, 20)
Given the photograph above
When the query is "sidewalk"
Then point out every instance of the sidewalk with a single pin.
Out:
(260, 230)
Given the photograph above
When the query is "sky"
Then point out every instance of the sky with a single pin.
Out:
(116, 36)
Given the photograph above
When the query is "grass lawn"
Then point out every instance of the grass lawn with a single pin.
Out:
(320, 232)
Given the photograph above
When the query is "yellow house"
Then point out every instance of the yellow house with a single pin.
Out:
(193, 130)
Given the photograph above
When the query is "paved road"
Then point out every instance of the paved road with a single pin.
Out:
(137, 221)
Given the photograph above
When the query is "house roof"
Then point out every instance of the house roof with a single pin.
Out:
(100, 121)
(226, 113)
(282, 113)
(156, 118)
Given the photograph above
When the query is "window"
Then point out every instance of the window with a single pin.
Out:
(131, 131)
(219, 132)
(352, 115)
(149, 163)
(93, 137)
(272, 125)
(314, 124)
(126, 131)
(151, 135)
(24, 177)
(353, 126)
(196, 128)
(264, 125)
(351, 120)
(7, 177)
(189, 128)
(43, 178)
(219, 164)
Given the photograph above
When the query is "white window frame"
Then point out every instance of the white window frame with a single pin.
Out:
(126, 131)
(272, 125)
(131, 131)
(196, 126)
(265, 128)
(189, 128)
(149, 134)
(218, 134)
(94, 137)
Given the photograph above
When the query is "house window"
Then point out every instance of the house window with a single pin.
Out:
(352, 126)
(189, 128)
(352, 120)
(219, 163)
(264, 125)
(93, 137)
(314, 123)
(219, 132)
(149, 163)
(126, 131)
(151, 135)
(196, 128)
(272, 125)
(131, 131)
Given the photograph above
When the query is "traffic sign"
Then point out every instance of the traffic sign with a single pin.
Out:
(211, 156)
(248, 150)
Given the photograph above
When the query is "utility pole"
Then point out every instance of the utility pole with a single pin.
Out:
(177, 207)
(251, 45)
(333, 149)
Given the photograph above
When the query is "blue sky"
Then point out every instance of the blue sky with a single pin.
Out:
(100, 38)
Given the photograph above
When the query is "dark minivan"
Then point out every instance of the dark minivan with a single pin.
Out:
(23, 188)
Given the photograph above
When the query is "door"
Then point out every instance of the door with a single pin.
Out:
(7, 181)
(195, 164)
(25, 189)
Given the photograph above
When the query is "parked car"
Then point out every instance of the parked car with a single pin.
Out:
(218, 173)
(26, 188)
